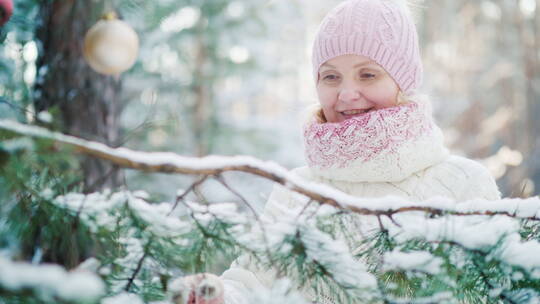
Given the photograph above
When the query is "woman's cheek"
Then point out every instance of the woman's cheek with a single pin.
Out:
(327, 98)
(389, 94)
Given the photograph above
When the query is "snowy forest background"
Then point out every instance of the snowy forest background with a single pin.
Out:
(231, 78)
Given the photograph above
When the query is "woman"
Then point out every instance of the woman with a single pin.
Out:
(373, 135)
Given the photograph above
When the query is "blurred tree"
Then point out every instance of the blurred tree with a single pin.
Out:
(17, 58)
(528, 27)
(43, 70)
(88, 103)
(482, 64)
(191, 48)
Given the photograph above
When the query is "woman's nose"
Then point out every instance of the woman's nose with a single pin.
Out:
(349, 94)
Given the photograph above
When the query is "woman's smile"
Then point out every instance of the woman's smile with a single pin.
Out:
(355, 112)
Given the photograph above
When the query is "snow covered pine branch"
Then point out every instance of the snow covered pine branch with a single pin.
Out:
(436, 251)
(167, 162)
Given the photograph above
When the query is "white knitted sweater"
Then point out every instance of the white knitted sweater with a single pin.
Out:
(396, 152)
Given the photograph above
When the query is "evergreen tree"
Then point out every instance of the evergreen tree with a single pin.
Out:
(428, 252)
(61, 243)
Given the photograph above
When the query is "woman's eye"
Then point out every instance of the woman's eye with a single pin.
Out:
(367, 75)
(330, 77)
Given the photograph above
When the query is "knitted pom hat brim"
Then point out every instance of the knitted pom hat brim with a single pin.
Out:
(382, 30)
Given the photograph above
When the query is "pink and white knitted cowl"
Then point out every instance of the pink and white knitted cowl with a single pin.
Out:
(386, 145)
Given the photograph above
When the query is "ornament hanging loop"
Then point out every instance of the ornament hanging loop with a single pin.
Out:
(108, 7)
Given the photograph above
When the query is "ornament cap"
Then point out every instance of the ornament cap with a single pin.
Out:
(110, 16)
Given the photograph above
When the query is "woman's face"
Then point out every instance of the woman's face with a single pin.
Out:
(350, 85)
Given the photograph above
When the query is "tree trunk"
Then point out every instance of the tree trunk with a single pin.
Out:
(531, 65)
(201, 93)
(88, 103)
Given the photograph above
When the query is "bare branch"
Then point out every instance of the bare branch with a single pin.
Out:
(299, 215)
(138, 268)
(185, 193)
(222, 181)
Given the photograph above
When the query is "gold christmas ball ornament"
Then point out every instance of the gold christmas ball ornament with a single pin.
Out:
(111, 46)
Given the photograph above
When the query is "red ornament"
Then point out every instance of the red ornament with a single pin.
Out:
(6, 10)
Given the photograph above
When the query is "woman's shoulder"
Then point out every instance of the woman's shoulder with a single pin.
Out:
(461, 166)
(468, 177)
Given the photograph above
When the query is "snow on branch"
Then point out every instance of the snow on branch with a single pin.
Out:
(50, 282)
(168, 162)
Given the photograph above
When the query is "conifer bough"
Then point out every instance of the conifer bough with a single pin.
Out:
(168, 162)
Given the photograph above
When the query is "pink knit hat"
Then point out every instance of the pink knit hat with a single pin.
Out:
(382, 30)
